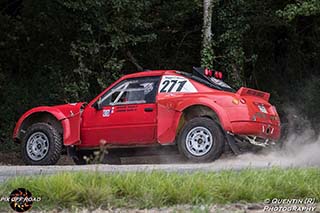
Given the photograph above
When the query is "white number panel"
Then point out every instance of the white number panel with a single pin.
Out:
(176, 84)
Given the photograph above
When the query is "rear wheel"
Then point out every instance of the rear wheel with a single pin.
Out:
(41, 145)
(201, 140)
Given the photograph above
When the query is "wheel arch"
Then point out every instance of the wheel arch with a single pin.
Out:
(46, 116)
(171, 117)
(200, 110)
(212, 111)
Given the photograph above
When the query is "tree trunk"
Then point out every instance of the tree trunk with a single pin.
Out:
(207, 54)
(207, 22)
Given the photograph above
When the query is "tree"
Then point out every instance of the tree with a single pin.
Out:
(207, 53)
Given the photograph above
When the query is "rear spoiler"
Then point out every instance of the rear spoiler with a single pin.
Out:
(243, 91)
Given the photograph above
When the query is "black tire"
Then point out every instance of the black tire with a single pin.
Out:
(54, 147)
(217, 140)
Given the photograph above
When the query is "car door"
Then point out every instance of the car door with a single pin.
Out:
(127, 116)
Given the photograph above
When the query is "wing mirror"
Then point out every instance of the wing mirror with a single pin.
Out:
(98, 105)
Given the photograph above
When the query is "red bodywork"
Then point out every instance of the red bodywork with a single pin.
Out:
(130, 124)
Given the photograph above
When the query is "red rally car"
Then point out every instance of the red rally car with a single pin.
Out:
(195, 113)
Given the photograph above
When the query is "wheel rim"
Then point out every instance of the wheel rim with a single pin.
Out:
(37, 146)
(199, 141)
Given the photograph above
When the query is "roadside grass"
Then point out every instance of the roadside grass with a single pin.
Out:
(158, 189)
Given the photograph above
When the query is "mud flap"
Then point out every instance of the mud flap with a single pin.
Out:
(232, 144)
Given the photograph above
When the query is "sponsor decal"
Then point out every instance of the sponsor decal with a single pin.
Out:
(106, 112)
(128, 108)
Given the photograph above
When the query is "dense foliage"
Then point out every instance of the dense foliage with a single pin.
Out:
(61, 51)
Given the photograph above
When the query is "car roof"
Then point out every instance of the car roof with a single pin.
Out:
(149, 73)
(199, 77)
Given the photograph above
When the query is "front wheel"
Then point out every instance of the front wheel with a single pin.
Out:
(201, 140)
(41, 145)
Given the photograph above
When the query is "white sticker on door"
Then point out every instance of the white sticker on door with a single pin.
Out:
(175, 84)
(106, 113)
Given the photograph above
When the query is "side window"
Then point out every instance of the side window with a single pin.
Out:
(132, 91)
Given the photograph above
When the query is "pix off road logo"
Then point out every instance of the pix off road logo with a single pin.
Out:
(20, 200)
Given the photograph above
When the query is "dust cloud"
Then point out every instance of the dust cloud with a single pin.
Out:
(300, 148)
(298, 151)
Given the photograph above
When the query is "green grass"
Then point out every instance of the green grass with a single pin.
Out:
(156, 189)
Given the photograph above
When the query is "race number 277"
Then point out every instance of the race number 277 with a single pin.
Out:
(170, 85)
